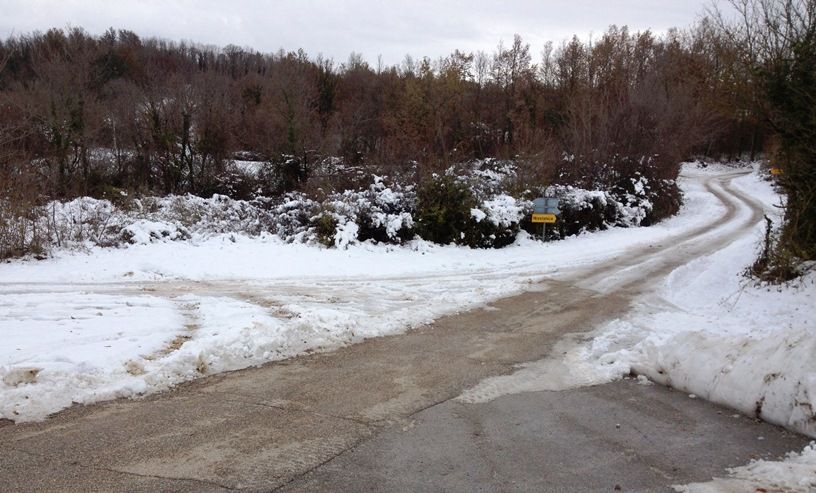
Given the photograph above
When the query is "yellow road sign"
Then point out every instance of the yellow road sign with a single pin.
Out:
(544, 218)
(776, 171)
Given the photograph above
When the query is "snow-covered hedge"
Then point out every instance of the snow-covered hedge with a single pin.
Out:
(630, 204)
(471, 204)
(92, 222)
(497, 221)
(380, 213)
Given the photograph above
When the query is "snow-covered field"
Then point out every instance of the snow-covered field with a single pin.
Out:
(84, 327)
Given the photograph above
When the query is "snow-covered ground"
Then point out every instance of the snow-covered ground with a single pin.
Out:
(795, 474)
(706, 330)
(84, 327)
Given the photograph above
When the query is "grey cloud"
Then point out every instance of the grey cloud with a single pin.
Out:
(336, 28)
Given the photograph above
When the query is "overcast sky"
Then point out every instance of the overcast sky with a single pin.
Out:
(336, 28)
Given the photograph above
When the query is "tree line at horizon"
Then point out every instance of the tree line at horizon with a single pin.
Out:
(172, 114)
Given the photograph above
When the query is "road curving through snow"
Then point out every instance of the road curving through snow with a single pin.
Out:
(696, 323)
(288, 424)
(233, 303)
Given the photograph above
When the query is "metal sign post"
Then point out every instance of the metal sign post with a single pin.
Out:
(545, 211)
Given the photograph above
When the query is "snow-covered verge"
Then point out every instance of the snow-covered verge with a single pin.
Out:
(718, 335)
(91, 325)
(706, 330)
(747, 347)
(795, 474)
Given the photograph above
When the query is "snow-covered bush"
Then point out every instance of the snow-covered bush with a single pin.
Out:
(631, 203)
(444, 206)
(19, 231)
(323, 228)
(83, 221)
(495, 223)
(666, 199)
(645, 201)
(86, 222)
(218, 214)
(470, 204)
(292, 217)
(583, 210)
(489, 177)
(385, 213)
(379, 213)
(143, 231)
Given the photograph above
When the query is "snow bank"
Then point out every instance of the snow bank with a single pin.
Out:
(795, 474)
(747, 347)
(80, 347)
(716, 334)
(708, 331)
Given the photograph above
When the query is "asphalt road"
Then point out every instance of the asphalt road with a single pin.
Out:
(381, 415)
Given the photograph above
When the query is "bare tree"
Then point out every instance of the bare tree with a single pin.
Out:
(779, 49)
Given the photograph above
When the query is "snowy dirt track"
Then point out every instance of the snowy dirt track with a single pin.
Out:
(117, 323)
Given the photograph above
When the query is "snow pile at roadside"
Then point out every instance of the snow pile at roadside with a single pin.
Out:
(87, 347)
(713, 333)
(746, 347)
(795, 474)
(76, 347)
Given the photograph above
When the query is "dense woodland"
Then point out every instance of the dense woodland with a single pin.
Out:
(97, 115)
(170, 114)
